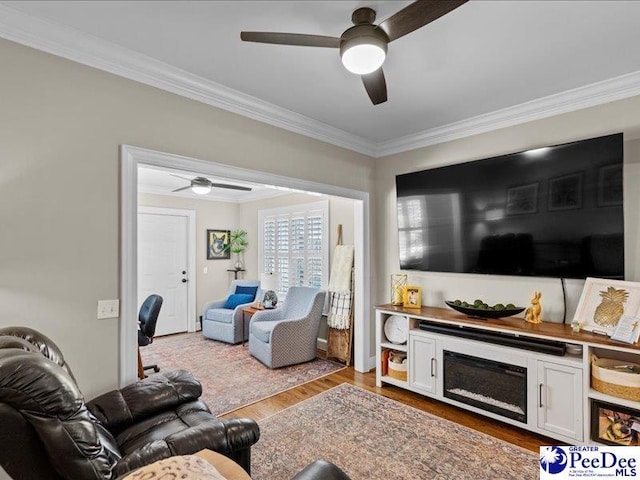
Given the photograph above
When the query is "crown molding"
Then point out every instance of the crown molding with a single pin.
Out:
(95, 52)
(606, 91)
(92, 51)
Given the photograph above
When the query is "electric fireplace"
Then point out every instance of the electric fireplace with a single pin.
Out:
(493, 386)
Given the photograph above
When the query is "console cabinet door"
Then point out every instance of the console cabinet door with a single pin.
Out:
(560, 399)
(422, 363)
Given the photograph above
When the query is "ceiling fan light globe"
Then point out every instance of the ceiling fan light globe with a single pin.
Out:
(200, 189)
(363, 58)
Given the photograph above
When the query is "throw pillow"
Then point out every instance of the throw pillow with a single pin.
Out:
(238, 299)
(185, 466)
(249, 290)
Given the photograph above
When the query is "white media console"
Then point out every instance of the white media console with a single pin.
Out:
(456, 359)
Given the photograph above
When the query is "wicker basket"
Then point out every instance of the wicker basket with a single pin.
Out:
(613, 382)
(397, 370)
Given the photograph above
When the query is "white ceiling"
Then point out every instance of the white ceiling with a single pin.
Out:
(480, 59)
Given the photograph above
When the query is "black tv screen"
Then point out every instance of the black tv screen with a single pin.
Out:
(550, 212)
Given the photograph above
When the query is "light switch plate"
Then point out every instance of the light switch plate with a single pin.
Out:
(108, 309)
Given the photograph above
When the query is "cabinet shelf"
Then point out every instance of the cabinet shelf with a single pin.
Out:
(394, 346)
(572, 359)
(565, 413)
(394, 381)
(603, 397)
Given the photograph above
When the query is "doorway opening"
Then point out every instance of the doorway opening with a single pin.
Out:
(133, 157)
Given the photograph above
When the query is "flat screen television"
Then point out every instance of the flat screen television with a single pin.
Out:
(550, 212)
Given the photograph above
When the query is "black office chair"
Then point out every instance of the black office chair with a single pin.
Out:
(147, 319)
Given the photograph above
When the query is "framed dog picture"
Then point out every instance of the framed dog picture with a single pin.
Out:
(218, 245)
(614, 425)
(412, 297)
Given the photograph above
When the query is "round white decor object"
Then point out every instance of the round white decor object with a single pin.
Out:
(396, 329)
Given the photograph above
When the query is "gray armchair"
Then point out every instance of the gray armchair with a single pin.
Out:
(288, 335)
(225, 324)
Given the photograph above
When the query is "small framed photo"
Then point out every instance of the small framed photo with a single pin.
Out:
(412, 297)
(614, 425)
(522, 200)
(565, 193)
(604, 302)
(218, 245)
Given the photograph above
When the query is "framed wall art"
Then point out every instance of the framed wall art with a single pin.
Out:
(522, 199)
(565, 193)
(610, 186)
(614, 425)
(218, 245)
(603, 303)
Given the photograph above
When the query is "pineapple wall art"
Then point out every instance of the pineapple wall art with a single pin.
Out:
(611, 307)
(603, 302)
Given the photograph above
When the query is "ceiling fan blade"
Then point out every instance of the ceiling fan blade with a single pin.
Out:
(417, 15)
(180, 189)
(232, 187)
(291, 39)
(180, 176)
(376, 86)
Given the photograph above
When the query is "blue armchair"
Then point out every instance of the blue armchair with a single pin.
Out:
(288, 335)
(225, 324)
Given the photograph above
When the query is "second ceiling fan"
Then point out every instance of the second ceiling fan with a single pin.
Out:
(202, 185)
(363, 47)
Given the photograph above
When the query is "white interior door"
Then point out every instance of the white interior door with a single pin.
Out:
(163, 267)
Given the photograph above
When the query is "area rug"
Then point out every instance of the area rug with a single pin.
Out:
(231, 378)
(372, 437)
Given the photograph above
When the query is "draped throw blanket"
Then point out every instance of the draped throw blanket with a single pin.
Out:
(340, 313)
(340, 288)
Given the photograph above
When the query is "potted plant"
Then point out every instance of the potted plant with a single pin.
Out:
(238, 244)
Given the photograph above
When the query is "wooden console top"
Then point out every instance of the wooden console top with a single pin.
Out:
(556, 331)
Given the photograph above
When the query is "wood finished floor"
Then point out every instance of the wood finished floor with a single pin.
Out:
(367, 381)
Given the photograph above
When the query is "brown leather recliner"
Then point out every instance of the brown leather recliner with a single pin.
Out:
(48, 432)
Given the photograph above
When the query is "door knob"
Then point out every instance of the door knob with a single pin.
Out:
(184, 280)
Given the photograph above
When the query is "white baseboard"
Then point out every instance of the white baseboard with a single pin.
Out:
(322, 345)
(372, 363)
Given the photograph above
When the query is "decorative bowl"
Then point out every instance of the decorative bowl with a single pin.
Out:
(482, 313)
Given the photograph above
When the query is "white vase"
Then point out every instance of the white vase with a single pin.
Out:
(238, 264)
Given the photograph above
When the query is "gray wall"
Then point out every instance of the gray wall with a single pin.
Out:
(621, 116)
(60, 130)
(61, 127)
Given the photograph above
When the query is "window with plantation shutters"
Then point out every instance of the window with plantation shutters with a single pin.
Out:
(315, 227)
(295, 243)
